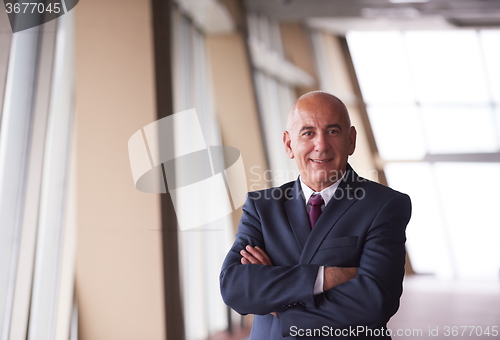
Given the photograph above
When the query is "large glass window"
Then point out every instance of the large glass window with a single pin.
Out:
(201, 250)
(433, 99)
(275, 92)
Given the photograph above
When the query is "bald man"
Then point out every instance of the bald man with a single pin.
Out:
(321, 257)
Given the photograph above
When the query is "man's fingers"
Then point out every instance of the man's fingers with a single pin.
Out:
(249, 257)
(254, 255)
(266, 259)
(259, 254)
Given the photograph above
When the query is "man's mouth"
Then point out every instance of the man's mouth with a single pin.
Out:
(321, 160)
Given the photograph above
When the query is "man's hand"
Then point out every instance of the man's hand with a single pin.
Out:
(254, 255)
(336, 275)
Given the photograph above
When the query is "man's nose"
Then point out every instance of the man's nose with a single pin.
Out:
(320, 142)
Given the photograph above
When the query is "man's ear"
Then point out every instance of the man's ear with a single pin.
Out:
(352, 140)
(288, 144)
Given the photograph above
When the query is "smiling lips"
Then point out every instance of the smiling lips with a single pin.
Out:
(321, 160)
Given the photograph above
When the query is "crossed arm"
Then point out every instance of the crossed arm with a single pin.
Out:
(333, 276)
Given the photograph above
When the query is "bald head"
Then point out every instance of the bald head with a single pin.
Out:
(317, 101)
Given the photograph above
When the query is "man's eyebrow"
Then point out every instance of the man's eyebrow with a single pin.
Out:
(306, 128)
(329, 126)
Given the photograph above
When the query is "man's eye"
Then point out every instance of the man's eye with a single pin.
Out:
(333, 131)
(307, 133)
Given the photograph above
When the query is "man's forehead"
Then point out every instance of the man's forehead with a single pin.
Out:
(318, 106)
(321, 118)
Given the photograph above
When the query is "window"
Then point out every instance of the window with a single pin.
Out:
(433, 100)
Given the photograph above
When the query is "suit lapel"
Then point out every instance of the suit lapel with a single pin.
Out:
(343, 199)
(295, 208)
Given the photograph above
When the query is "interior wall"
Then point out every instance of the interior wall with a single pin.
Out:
(119, 261)
(236, 107)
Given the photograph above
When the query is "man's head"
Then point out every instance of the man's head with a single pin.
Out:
(320, 138)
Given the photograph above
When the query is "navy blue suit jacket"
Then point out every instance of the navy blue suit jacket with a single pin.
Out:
(362, 226)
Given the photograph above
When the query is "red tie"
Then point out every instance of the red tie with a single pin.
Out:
(316, 201)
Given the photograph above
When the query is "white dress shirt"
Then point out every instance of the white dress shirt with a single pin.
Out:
(327, 195)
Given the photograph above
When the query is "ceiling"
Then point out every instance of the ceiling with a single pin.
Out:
(343, 15)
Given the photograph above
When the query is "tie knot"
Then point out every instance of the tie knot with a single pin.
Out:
(316, 200)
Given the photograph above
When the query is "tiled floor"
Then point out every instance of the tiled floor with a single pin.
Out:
(441, 307)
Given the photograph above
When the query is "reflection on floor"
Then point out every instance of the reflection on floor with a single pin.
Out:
(441, 309)
(237, 334)
(437, 309)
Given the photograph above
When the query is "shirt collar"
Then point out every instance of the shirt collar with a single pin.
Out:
(326, 193)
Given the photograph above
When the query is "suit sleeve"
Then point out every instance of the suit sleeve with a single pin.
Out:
(261, 289)
(372, 297)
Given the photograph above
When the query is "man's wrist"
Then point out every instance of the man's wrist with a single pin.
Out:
(335, 276)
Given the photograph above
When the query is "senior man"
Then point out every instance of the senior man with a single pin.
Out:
(323, 256)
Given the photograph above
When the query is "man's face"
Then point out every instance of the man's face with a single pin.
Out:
(320, 140)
